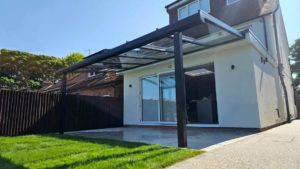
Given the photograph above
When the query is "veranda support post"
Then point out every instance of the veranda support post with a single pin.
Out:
(180, 91)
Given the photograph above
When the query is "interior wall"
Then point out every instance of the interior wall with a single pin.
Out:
(201, 90)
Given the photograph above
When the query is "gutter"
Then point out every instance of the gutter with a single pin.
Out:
(280, 66)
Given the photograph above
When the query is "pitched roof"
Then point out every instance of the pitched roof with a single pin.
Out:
(80, 81)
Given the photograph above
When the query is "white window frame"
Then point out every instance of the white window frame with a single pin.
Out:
(233, 2)
(92, 74)
(141, 99)
(187, 6)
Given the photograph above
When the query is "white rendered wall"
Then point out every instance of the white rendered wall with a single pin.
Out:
(249, 96)
(269, 93)
(269, 88)
(284, 54)
(236, 91)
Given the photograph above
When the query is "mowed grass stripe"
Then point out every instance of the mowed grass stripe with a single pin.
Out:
(55, 151)
(88, 157)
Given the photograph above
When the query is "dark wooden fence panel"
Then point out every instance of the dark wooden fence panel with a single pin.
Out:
(32, 113)
(91, 112)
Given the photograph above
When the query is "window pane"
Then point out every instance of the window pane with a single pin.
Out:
(194, 8)
(183, 13)
(168, 94)
(205, 5)
(150, 99)
(229, 2)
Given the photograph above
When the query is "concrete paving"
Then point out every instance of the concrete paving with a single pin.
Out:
(198, 138)
(278, 148)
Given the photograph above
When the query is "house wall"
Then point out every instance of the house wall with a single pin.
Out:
(234, 14)
(246, 9)
(285, 53)
(251, 96)
(269, 93)
(236, 92)
(271, 100)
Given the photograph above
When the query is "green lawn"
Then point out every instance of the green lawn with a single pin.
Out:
(54, 151)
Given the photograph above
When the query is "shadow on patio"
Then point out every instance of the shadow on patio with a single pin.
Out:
(198, 138)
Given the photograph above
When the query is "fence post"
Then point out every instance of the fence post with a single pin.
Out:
(64, 103)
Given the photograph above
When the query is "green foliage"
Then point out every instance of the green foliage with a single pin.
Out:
(27, 71)
(295, 50)
(33, 85)
(53, 151)
(295, 57)
(74, 58)
(8, 83)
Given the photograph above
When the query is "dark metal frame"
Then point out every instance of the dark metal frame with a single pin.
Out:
(157, 49)
(173, 31)
(167, 31)
(180, 91)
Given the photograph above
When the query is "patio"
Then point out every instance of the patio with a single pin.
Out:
(198, 138)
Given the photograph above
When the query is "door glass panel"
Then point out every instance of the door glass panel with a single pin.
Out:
(150, 99)
(168, 98)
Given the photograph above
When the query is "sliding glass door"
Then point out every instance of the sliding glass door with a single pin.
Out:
(150, 99)
(159, 98)
(168, 97)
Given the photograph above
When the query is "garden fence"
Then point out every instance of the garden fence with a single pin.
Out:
(34, 113)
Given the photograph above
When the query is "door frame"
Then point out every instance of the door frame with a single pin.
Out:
(159, 107)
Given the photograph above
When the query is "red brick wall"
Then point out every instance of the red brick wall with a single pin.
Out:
(237, 13)
(109, 91)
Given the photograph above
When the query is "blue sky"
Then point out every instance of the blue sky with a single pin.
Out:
(61, 27)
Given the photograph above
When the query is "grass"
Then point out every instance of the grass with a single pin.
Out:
(59, 152)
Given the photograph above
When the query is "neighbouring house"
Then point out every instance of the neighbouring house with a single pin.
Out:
(219, 63)
(90, 84)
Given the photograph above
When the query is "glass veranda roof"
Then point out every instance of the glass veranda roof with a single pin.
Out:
(200, 31)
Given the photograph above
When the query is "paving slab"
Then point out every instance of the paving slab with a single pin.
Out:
(198, 138)
(278, 148)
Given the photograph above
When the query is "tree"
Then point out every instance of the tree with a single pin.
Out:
(33, 85)
(295, 62)
(73, 58)
(26, 71)
(8, 83)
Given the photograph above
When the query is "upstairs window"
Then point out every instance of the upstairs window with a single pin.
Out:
(193, 8)
(229, 2)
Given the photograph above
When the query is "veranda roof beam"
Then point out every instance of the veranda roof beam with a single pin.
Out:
(165, 32)
(191, 41)
(141, 41)
(120, 63)
(136, 57)
(218, 23)
(156, 48)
